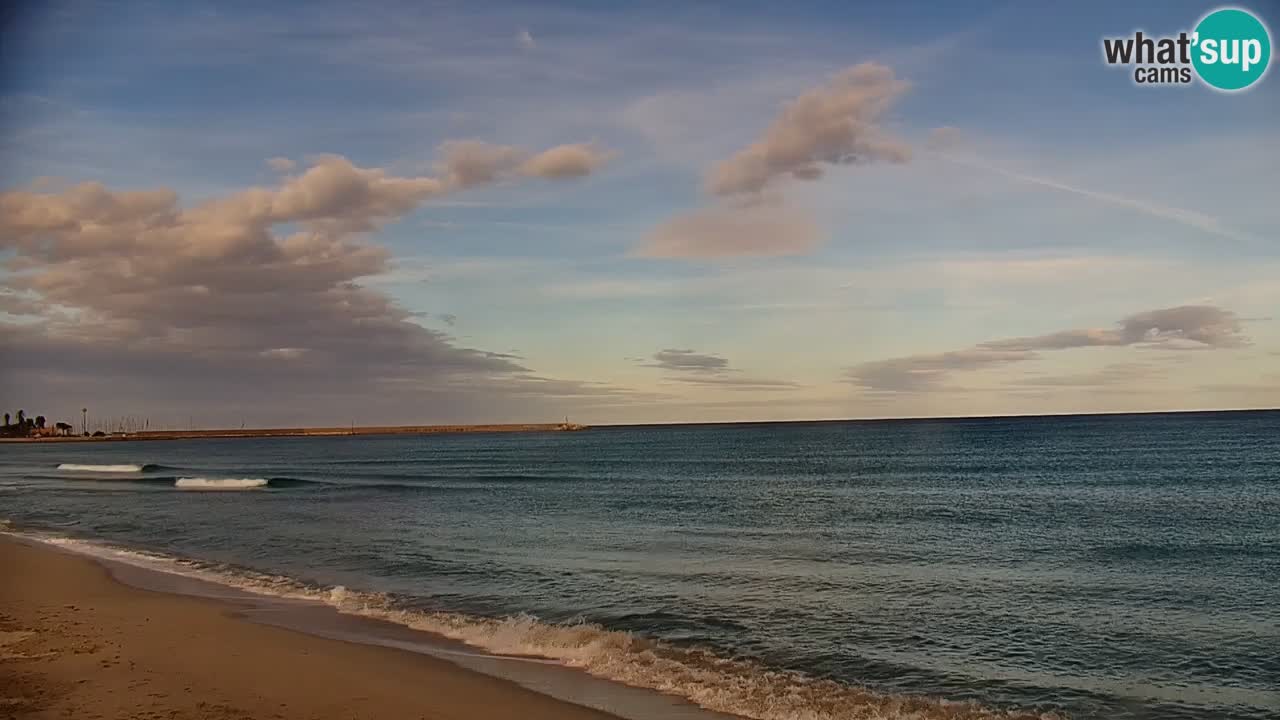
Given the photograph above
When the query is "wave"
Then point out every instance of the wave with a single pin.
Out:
(729, 685)
(124, 468)
(200, 483)
(124, 480)
(735, 686)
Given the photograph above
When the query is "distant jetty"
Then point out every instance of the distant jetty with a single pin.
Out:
(309, 432)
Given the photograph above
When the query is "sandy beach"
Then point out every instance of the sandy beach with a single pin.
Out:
(75, 643)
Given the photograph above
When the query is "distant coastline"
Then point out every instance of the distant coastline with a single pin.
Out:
(303, 432)
(562, 427)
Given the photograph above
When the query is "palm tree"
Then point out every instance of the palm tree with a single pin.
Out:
(22, 417)
(6, 419)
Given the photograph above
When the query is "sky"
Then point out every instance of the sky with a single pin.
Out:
(322, 213)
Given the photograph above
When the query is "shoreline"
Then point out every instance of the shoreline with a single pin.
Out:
(90, 636)
(686, 687)
(77, 641)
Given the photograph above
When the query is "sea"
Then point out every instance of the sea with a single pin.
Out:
(1117, 566)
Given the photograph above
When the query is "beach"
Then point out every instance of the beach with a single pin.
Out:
(983, 568)
(76, 643)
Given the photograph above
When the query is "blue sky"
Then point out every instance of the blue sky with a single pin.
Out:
(1064, 198)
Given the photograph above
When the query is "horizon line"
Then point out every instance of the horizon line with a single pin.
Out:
(900, 418)
(452, 428)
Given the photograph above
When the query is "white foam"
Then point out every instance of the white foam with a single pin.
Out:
(199, 483)
(259, 583)
(101, 468)
(726, 685)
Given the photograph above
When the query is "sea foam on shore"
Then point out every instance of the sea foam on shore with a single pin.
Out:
(727, 685)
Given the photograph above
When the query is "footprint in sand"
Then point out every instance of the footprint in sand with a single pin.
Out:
(11, 638)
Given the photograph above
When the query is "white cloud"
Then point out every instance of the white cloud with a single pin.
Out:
(566, 161)
(132, 284)
(836, 124)
(466, 163)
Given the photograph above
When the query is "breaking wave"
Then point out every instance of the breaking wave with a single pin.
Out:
(199, 483)
(123, 468)
(124, 480)
(728, 685)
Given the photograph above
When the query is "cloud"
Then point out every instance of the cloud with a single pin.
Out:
(1061, 340)
(708, 370)
(332, 190)
(467, 163)
(281, 164)
(918, 373)
(1187, 326)
(688, 361)
(837, 124)
(729, 231)
(19, 304)
(525, 40)
(1203, 324)
(254, 290)
(566, 161)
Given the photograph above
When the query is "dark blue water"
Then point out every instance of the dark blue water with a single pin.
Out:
(1117, 567)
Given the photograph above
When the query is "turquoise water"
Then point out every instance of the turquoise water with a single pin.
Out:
(1105, 566)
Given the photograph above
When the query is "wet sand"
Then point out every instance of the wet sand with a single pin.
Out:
(75, 643)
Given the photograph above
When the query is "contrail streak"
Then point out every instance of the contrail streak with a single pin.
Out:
(1200, 221)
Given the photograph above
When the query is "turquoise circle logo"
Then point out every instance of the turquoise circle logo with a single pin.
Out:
(1232, 49)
